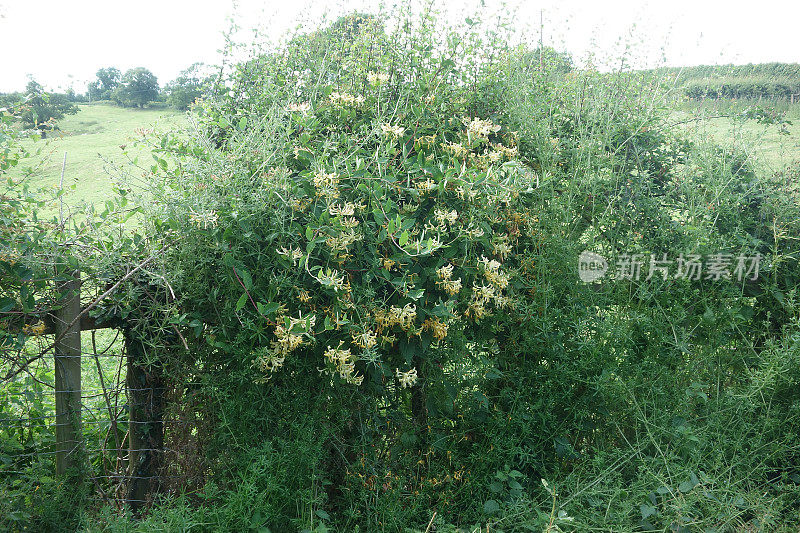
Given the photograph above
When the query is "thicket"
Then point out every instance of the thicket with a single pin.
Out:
(751, 70)
(778, 81)
(374, 238)
(37, 109)
(739, 88)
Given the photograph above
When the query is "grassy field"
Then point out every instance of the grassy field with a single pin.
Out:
(92, 139)
(770, 146)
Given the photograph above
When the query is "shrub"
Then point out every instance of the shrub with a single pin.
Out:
(374, 263)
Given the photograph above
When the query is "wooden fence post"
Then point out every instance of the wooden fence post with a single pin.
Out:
(146, 429)
(68, 376)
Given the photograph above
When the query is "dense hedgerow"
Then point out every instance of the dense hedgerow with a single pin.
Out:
(777, 81)
(372, 235)
(377, 227)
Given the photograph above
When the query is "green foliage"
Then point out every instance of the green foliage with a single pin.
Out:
(757, 81)
(186, 88)
(549, 59)
(758, 70)
(108, 79)
(37, 253)
(40, 110)
(391, 234)
(374, 262)
(137, 88)
(743, 88)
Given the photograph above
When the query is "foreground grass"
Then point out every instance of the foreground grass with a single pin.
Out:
(93, 140)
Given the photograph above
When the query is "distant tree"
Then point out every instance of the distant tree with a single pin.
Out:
(187, 87)
(550, 59)
(41, 110)
(10, 100)
(137, 88)
(107, 81)
(73, 96)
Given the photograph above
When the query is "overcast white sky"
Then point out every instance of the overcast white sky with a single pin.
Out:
(63, 42)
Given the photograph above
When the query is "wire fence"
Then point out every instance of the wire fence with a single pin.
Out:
(103, 448)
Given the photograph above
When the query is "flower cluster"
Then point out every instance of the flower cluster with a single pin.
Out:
(444, 216)
(332, 278)
(34, 330)
(302, 108)
(289, 335)
(445, 282)
(478, 129)
(509, 152)
(403, 317)
(343, 241)
(345, 363)
(377, 78)
(326, 184)
(204, 220)
(501, 248)
(491, 270)
(483, 295)
(437, 328)
(365, 340)
(346, 210)
(457, 149)
(407, 379)
(10, 256)
(291, 253)
(393, 131)
(425, 141)
(425, 186)
(346, 99)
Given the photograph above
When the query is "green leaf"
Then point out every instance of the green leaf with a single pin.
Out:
(241, 301)
(686, 486)
(403, 238)
(441, 311)
(268, 308)
(247, 280)
(491, 507)
(242, 124)
(407, 350)
(6, 304)
(417, 294)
